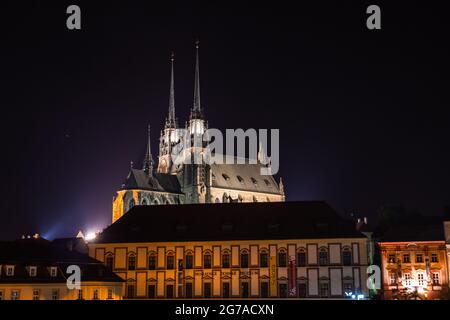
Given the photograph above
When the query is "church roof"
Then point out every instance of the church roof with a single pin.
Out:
(229, 221)
(139, 179)
(243, 177)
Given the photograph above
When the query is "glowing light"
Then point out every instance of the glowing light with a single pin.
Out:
(90, 236)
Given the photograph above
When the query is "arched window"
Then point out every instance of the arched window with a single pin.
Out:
(207, 259)
(217, 200)
(225, 198)
(263, 259)
(346, 256)
(144, 202)
(226, 259)
(170, 261)
(323, 256)
(244, 259)
(282, 258)
(109, 261)
(189, 260)
(132, 262)
(301, 257)
(152, 261)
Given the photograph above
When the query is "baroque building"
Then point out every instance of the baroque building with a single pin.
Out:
(185, 182)
(236, 250)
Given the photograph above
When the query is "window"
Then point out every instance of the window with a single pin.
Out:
(36, 294)
(1, 295)
(301, 258)
(323, 257)
(33, 271)
(132, 262)
(225, 260)
(392, 279)
(151, 291)
(244, 259)
(95, 295)
(324, 290)
(241, 180)
(244, 289)
(254, 181)
(207, 289)
(55, 294)
(434, 257)
(419, 258)
(15, 295)
(80, 294)
(189, 290)
(282, 290)
(53, 271)
(406, 258)
(189, 261)
(225, 176)
(169, 291)
(348, 287)
(407, 279)
(9, 271)
(391, 258)
(436, 281)
(207, 261)
(144, 202)
(267, 182)
(170, 262)
(226, 289)
(264, 259)
(110, 294)
(282, 261)
(130, 291)
(131, 204)
(420, 279)
(109, 261)
(152, 261)
(347, 257)
(302, 290)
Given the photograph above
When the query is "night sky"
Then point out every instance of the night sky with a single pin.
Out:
(363, 115)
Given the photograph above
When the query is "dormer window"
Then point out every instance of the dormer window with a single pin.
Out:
(254, 181)
(241, 180)
(9, 271)
(226, 177)
(53, 271)
(33, 271)
(267, 182)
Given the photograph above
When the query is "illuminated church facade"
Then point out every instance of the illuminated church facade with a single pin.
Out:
(169, 182)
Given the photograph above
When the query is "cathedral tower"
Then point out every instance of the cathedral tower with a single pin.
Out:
(169, 135)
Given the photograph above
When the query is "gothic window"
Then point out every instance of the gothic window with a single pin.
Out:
(225, 198)
(131, 204)
(323, 257)
(144, 202)
(217, 200)
(346, 257)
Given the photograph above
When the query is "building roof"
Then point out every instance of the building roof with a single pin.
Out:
(42, 254)
(229, 221)
(421, 229)
(139, 179)
(243, 177)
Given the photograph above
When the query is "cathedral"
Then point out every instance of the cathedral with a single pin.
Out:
(169, 182)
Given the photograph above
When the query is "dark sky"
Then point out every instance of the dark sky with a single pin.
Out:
(363, 115)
